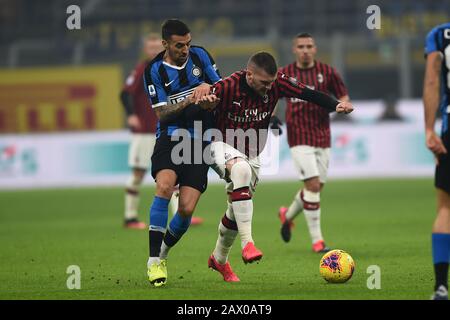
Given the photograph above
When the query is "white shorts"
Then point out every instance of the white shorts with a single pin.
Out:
(222, 152)
(141, 149)
(311, 162)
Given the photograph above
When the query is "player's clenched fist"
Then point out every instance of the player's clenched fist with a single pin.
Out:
(208, 102)
(344, 107)
(200, 91)
(434, 143)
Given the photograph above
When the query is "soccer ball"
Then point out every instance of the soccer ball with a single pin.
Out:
(337, 266)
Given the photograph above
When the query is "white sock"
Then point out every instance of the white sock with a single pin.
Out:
(132, 196)
(241, 175)
(295, 208)
(173, 204)
(243, 213)
(131, 203)
(311, 202)
(152, 260)
(313, 220)
(225, 239)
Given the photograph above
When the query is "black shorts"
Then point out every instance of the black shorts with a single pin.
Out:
(442, 174)
(189, 173)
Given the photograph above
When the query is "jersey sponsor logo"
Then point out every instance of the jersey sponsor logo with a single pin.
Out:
(196, 71)
(178, 97)
(251, 115)
(151, 90)
(168, 83)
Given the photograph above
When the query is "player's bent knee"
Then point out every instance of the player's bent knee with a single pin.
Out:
(185, 210)
(241, 174)
(164, 189)
(134, 181)
(312, 197)
(313, 186)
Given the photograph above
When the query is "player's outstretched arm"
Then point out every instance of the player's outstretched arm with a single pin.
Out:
(344, 107)
(291, 88)
(325, 101)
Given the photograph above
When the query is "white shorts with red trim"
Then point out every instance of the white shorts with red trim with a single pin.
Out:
(311, 161)
(221, 153)
(141, 149)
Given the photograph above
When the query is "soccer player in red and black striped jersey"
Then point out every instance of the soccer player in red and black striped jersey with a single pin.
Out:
(308, 130)
(242, 115)
(142, 120)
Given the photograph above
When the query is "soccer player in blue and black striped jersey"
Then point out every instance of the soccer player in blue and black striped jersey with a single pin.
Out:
(175, 81)
(436, 96)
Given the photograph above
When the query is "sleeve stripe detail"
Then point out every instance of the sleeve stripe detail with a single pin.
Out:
(159, 104)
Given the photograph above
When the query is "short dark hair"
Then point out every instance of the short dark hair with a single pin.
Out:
(265, 61)
(303, 35)
(172, 27)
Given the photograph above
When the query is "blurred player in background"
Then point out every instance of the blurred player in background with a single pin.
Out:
(247, 100)
(142, 120)
(436, 96)
(308, 129)
(175, 80)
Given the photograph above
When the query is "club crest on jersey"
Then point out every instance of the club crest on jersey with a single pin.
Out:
(196, 72)
(319, 78)
(266, 98)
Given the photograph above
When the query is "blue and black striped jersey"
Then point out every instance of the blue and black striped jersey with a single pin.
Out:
(167, 84)
(439, 40)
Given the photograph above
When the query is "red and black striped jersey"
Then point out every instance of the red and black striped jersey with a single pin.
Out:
(240, 107)
(134, 85)
(307, 123)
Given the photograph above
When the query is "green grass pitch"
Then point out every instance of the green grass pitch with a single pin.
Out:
(379, 222)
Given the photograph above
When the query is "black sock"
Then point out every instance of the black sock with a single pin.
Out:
(155, 239)
(169, 239)
(441, 274)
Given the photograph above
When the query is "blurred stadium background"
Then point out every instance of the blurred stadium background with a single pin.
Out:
(56, 80)
(62, 125)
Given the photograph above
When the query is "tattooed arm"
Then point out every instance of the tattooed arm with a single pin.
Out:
(169, 111)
